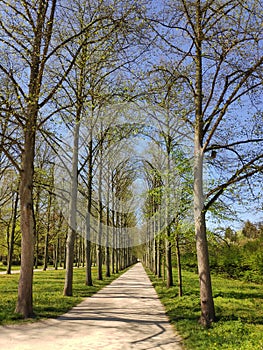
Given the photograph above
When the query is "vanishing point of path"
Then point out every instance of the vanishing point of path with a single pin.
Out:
(126, 314)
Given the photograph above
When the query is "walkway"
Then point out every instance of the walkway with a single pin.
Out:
(40, 269)
(127, 314)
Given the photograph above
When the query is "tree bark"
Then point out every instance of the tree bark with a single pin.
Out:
(168, 244)
(206, 295)
(38, 53)
(37, 211)
(12, 236)
(89, 205)
(100, 214)
(107, 249)
(207, 303)
(168, 254)
(57, 249)
(159, 258)
(72, 214)
(179, 267)
(47, 232)
(24, 304)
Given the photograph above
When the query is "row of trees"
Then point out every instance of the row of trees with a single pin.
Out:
(239, 254)
(208, 55)
(233, 254)
(58, 66)
(193, 71)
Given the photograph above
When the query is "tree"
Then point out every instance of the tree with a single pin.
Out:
(33, 52)
(250, 230)
(230, 234)
(31, 59)
(152, 211)
(215, 49)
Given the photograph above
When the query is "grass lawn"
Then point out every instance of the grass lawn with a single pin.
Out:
(239, 310)
(47, 293)
(4, 267)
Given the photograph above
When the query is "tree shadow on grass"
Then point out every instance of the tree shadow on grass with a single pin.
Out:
(253, 294)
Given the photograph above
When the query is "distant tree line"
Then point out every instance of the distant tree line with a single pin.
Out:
(235, 254)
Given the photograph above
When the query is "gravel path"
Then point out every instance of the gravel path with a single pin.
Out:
(126, 314)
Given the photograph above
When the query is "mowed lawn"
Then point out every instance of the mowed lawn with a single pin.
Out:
(239, 310)
(47, 293)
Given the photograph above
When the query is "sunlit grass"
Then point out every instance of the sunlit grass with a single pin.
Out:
(47, 293)
(3, 267)
(239, 311)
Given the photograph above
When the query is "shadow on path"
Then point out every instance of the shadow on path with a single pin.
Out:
(127, 314)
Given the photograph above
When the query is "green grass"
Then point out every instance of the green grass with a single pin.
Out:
(49, 301)
(4, 267)
(239, 311)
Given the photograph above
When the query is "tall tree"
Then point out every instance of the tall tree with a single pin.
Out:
(215, 49)
(33, 51)
(31, 65)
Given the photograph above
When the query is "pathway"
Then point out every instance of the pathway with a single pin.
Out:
(35, 270)
(126, 314)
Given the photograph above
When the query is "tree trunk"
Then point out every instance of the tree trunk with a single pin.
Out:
(207, 303)
(159, 251)
(24, 304)
(76, 255)
(69, 262)
(155, 253)
(179, 267)
(99, 262)
(72, 214)
(113, 256)
(65, 251)
(164, 266)
(46, 250)
(83, 253)
(47, 233)
(117, 235)
(100, 213)
(57, 249)
(80, 252)
(206, 296)
(58, 260)
(107, 261)
(168, 254)
(88, 228)
(107, 249)
(168, 244)
(159, 258)
(12, 236)
(114, 230)
(37, 211)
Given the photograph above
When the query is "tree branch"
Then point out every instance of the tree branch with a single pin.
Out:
(237, 177)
